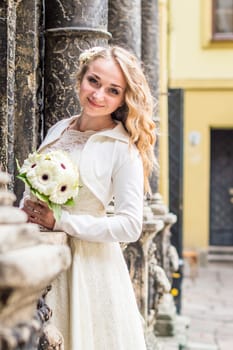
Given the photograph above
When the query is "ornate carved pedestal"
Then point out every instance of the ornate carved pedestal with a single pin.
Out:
(28, 264)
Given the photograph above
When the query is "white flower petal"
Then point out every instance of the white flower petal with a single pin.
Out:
(52, 174)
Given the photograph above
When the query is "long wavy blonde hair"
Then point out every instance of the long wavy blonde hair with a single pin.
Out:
(137, 111)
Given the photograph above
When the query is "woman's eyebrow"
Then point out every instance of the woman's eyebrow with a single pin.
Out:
(94, 75)
(115, 85)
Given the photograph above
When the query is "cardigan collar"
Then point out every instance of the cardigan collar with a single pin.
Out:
(118, 132)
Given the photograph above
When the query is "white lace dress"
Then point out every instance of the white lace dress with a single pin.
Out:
(94, 304)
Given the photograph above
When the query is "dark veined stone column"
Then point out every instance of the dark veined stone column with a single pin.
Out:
(125, 24)
(71, 27)
(18, 88)
(150, 58)
(27, 94)
(3, 85)
(150, 44)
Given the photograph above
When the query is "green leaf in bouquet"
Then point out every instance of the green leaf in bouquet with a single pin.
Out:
(69, 202)
(56, 208)
(17, 164)
(39, 195)
(23, 177)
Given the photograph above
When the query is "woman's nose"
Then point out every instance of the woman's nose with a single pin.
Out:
(98, 94)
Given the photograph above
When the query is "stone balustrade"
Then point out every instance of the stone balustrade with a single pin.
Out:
(151, 261)
(29, 261)
(168, 261)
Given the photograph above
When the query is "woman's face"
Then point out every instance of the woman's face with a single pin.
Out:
(102, 89)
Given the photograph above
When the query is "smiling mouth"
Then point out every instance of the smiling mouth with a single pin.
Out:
(94, 104)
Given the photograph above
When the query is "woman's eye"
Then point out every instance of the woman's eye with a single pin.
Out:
(114, 91)
(92, 80)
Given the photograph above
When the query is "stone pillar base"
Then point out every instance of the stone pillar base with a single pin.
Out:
(166, 318)
(152, 342)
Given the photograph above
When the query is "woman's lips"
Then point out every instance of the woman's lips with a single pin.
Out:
(94, 103)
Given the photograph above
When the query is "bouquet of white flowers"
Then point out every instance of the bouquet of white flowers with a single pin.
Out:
(52, 177)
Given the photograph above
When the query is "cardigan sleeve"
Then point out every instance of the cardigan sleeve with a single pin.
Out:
(126, 223)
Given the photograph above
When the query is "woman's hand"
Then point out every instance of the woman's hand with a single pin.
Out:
(39, 213)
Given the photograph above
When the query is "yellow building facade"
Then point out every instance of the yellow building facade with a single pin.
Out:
(203, 69)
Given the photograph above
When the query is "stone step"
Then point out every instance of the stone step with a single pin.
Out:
(220, 253)
(221, 249)
(201, 346)
(220, 257)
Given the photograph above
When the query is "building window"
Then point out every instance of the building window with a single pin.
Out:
(222, 20)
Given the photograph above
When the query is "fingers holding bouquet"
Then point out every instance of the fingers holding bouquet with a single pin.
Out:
(39, 213)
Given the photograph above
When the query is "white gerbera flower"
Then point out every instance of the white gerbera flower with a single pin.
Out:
(66, 189)
(52, 177)
(44, 176)
(30, 162)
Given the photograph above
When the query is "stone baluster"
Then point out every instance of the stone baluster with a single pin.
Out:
(166, 256)
(140, 260)
(28, 264)
(167, 259)
(149, 231)
(149, 279)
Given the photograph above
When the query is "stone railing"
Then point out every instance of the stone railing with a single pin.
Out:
(29, 261)
(168, 261)
(151, 262)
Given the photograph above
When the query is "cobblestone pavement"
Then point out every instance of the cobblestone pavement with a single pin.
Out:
(207, 303)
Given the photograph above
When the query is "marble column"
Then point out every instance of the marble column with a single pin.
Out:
(3, 86)
(7, 89)
(19, 53)
(124, 23)
(150, 58)
(71, 27)
(150, 43)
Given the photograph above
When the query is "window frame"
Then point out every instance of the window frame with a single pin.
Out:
(217, 36)
(208, 39)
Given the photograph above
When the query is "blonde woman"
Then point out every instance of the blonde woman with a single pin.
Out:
(112, 142)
